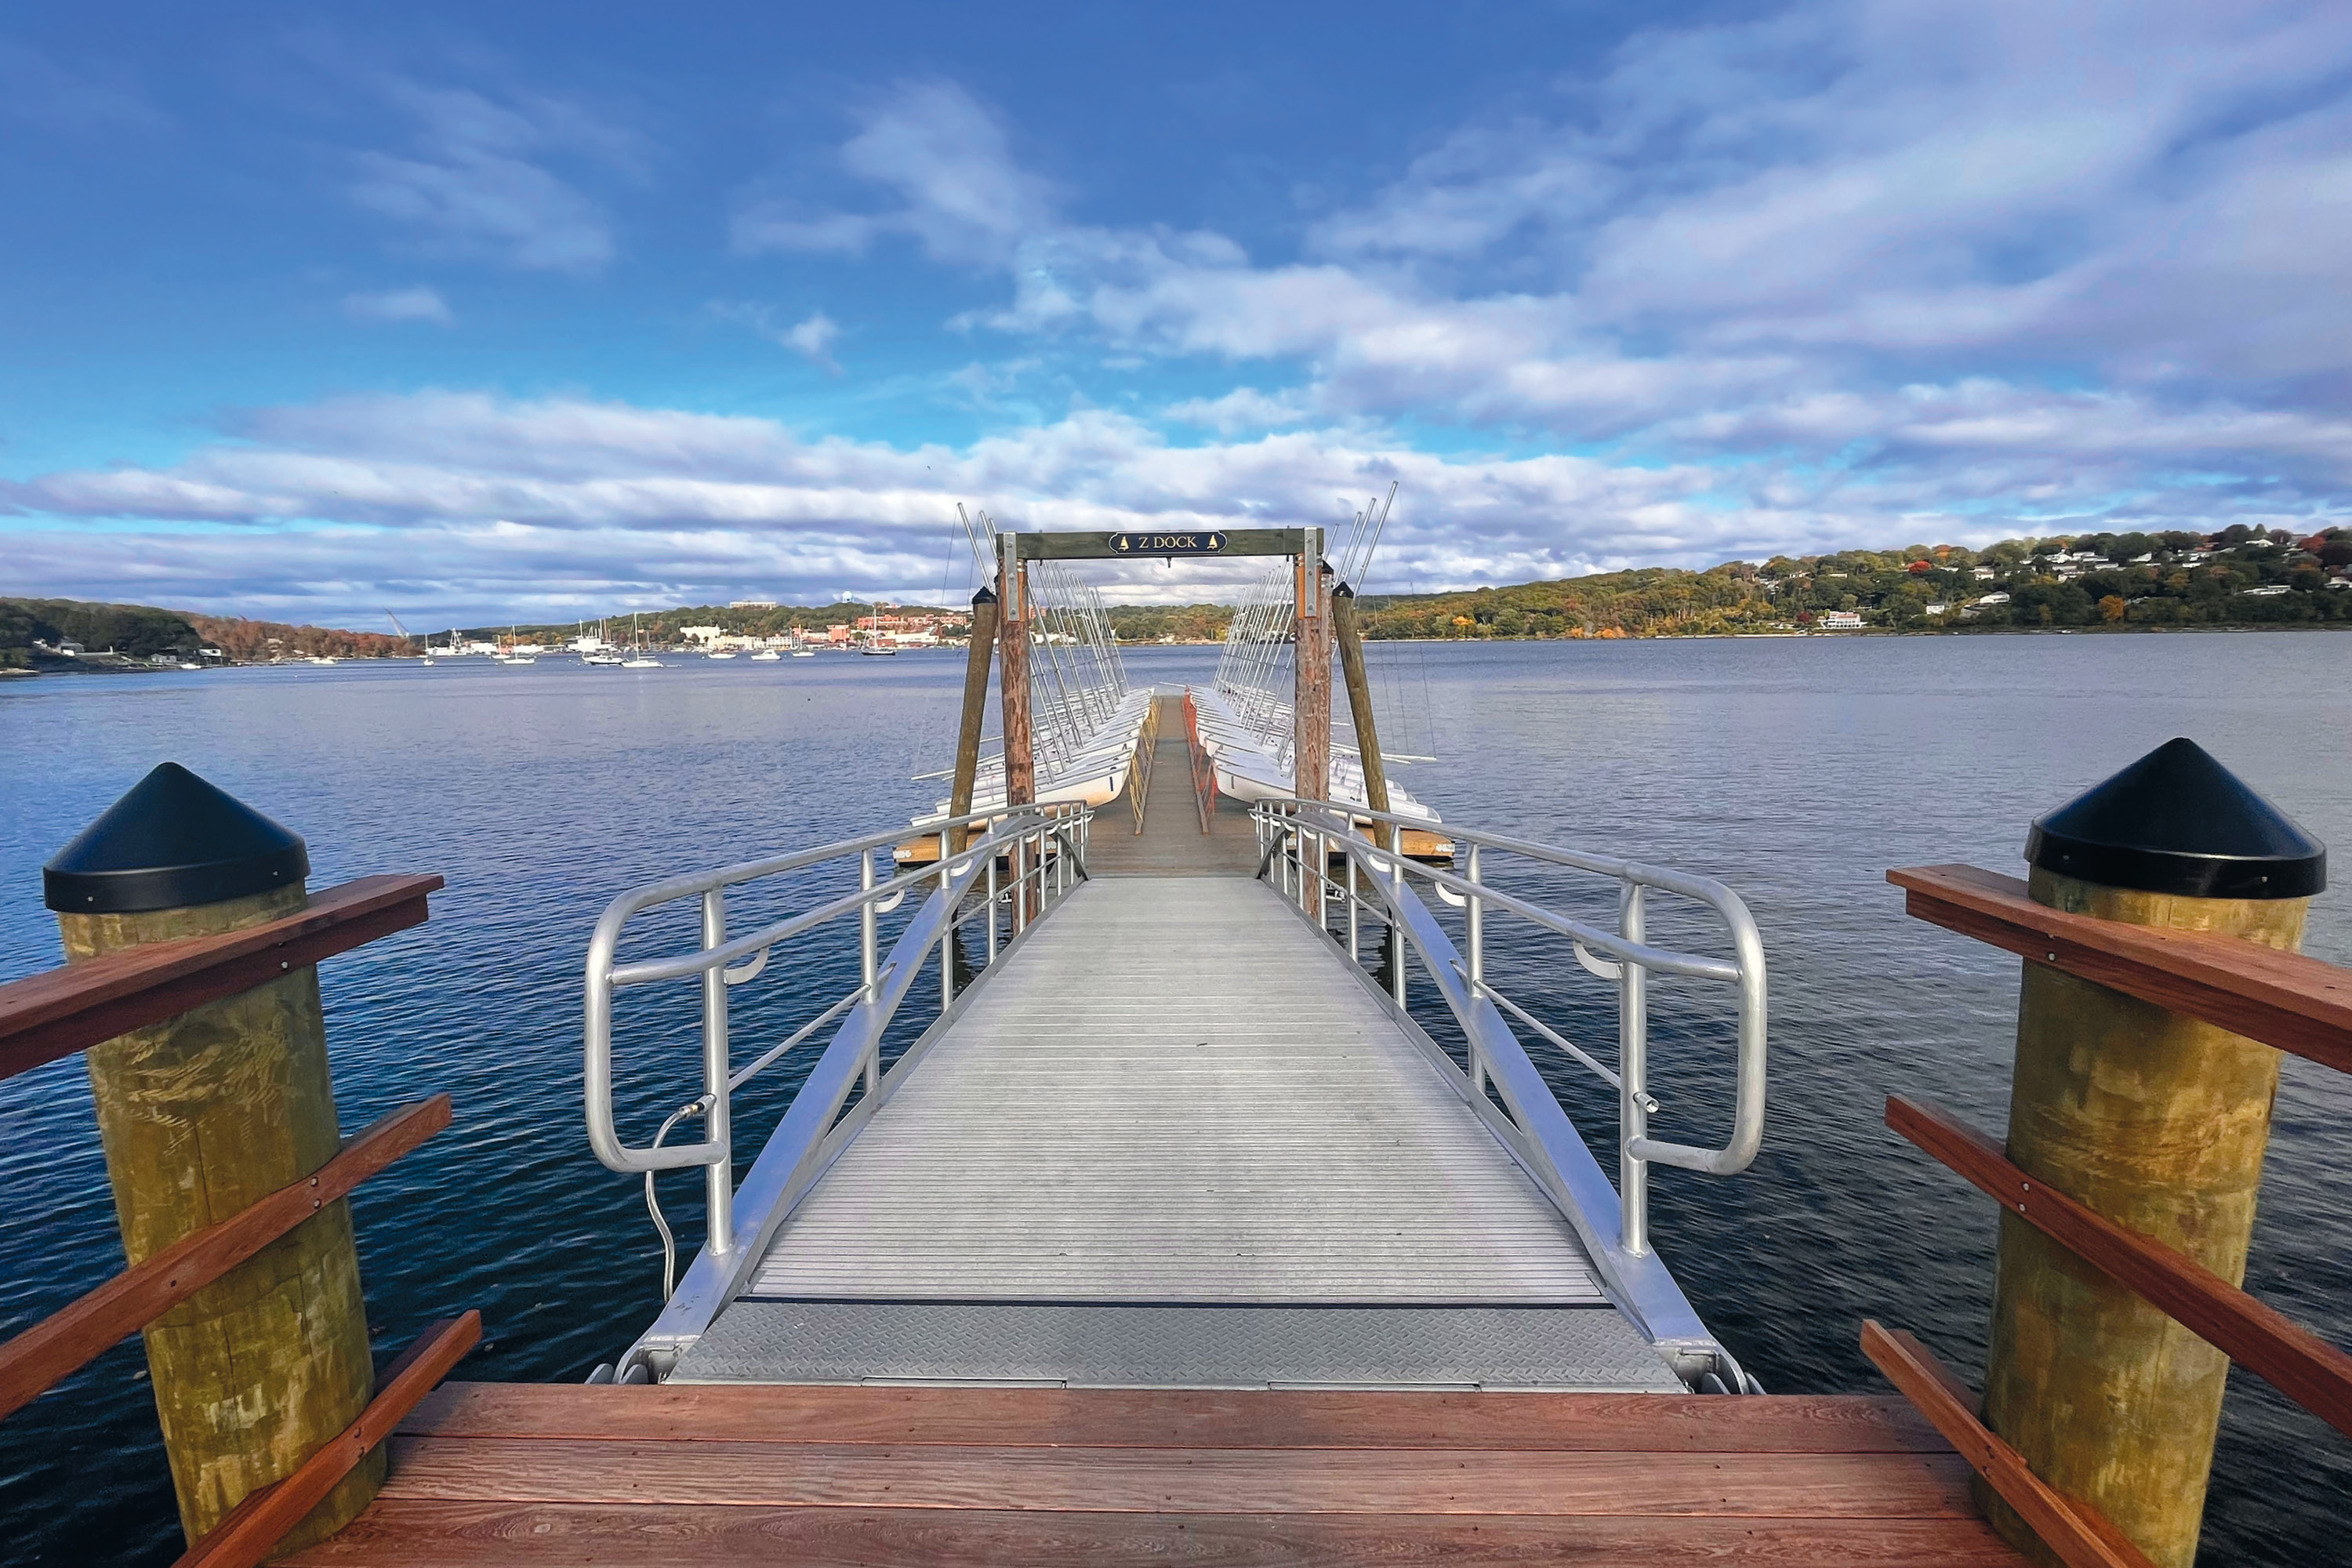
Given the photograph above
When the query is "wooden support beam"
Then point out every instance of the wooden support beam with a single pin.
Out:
(2076, 1531)
(55, 1013)
(2283, 999)
(2296, 1361)
(1012, 682)
(977, 653)
(251, 1531)
(67, 1341)
(1350, 641)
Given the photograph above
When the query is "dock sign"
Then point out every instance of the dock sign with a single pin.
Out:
(1208, 543)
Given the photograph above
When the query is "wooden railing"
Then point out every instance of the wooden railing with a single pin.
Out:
(2285, 1000)
(1204, 769)
(52, 1014)
(1139, 773)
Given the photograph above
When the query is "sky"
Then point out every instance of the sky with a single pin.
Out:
(478, 314)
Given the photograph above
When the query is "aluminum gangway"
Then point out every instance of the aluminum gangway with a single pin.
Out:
(1172, 1133)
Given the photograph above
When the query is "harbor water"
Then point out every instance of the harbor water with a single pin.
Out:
(1796, 769)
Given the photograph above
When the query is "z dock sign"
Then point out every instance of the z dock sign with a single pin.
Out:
(1174, 542)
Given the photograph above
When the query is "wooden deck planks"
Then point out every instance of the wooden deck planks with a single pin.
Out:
(692, 1475)
(1181, 1418)
(530, 1535)
(1182, 1480)
(1171, 843)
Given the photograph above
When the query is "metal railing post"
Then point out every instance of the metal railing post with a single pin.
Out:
(1632, 1073)
(869, 957)
(1352, 906)
(1396, 921)
(1475, 931)
(991, 906)
(946, 933)
(720, 1174)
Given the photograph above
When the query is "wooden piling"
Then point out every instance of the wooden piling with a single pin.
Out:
(2152, 1118)
(1310, 755)
(975, 703)
(1349, 638)
(1013, 679)
(205, 1113)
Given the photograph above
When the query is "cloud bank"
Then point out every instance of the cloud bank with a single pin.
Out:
(1849, 273)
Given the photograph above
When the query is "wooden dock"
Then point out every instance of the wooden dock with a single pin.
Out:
(631, 1476)
(1054, 1305)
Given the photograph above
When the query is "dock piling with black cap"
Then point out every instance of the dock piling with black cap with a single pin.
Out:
(2153, 1120)
(205, 1113)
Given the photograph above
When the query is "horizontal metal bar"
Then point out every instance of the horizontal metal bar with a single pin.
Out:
(737, 1079)
(1484, 989)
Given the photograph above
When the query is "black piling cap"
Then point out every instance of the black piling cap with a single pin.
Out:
(2178, 822)
(987, 595)
(174, 841)
(1343, 592)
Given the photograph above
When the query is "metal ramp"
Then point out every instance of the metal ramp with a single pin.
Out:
(1234, 1120)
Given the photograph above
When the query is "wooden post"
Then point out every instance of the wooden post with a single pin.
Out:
(975, 704)
(1012, 694)
(1012, 678)
(1310, 756)
(205, 1114)
(1359, 696)
(2153, 1120)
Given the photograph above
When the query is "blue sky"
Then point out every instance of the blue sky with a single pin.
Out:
(533, 313)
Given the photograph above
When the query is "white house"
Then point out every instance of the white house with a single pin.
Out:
(1840, 621)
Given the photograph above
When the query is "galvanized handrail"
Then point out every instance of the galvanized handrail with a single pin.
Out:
(1290, 832)
(1045, 844)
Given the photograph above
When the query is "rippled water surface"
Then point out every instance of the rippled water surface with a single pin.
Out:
(1796, 771)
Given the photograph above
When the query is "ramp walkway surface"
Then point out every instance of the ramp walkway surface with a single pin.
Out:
(1224, 1115)
(1171, 842)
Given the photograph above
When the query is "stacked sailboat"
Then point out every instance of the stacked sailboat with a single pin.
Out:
(1246, 713)
(1085, 717)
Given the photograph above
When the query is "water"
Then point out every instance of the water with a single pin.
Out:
(1796, 771)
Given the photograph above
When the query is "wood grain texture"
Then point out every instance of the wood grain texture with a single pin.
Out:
(67, 1341)
(61, 1011)
(251, 1531)
(1178, 1418)
(2283, 999)
(2076, 1532)
(1182, 1480)
(420, 1534)
(2297, 1362)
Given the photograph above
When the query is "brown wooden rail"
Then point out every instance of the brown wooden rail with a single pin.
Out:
(2078, 1532)
(67, 1341)
(252, 1530)
(56, 1014)
(2283, 999)
(2293, 1360)
(1204, 769)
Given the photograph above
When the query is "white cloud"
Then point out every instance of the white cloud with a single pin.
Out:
(812, 336)
(477, 183)
(414, 304)
(1836, 200)
(947, 160)
(561, 506)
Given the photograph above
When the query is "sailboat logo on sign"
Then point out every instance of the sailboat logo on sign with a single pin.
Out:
(1166, 543)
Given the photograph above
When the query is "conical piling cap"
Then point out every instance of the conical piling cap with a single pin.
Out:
(2178, 822)
(173, 842)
